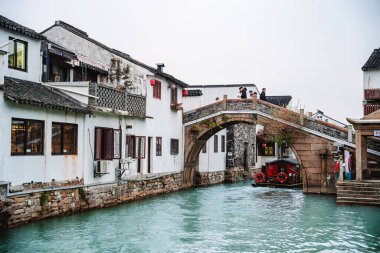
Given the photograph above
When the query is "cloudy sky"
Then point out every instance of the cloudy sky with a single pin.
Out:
(312, 50)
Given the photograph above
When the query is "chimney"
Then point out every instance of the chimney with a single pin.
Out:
(2, 65)
(160, 67)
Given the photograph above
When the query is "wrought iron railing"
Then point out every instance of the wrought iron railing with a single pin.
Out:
(370, 108)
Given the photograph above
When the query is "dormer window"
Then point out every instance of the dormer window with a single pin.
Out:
(17, 54)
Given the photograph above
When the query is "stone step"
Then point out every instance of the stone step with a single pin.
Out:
(365, 191)
(355, 195)
(374, 189)
(357, 202)
(361, 199)
(357, 184)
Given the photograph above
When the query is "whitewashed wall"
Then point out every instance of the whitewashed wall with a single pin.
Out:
(38, 168)
(371, 79)
(211, 161)
(33, 72)
(84, 47)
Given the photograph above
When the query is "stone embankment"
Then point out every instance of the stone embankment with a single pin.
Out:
(358, 193)
(36, 205)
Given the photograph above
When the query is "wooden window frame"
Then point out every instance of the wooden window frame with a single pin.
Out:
(261, 150)
(174, 96)
(119, 150)
(25, 141)
(15, 54)
(103, 153)
(130, 146)
(157, 89)
(174, 146)
(158, 146)
(62, 138)
(139, 154)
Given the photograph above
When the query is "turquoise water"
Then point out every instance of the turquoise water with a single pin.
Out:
(223, 218)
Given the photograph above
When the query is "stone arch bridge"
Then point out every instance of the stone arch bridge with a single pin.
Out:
(313, 145)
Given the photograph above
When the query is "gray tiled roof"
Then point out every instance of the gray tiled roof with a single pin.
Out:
(84, 35)
(279, 100)
(31, 93)
(373, 62)
(13, 26)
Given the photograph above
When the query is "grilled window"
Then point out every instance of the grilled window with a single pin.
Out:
(158, 146)
(157, 89)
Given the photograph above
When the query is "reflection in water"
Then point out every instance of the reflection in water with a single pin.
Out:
(223, 218)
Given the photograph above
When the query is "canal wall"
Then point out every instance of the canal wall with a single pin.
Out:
(209, 178)
(36, 205)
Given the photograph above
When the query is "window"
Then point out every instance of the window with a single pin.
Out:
(215, 143)
(130, 148)
(223, 143)
(27, 137)
(204, 148)
(117, 143)
(174, 146)
(158, 146)
(17, 55)
(173, 96)
(140, 147)
(157, 89)
(266, 149)
(64, 139)
(104, 143)
(135, 146)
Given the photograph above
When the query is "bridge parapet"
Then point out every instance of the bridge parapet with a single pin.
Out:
(265, 109)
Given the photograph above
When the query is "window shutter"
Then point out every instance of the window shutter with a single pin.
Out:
(117, 143)
(98, 144)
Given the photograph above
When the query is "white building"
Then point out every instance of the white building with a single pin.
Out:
(321, 116)
(96, 107)
(371, 83)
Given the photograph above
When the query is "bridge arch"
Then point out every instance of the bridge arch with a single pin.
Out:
(313, 145)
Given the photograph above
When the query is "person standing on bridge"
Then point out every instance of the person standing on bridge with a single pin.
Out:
(263, 95)
(243, 92)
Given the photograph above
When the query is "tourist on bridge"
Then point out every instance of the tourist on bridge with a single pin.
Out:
(243, 92)
(263, 95)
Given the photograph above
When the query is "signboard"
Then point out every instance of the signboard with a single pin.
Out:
(376, 133)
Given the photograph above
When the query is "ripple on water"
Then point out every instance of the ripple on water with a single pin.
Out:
(223, 218)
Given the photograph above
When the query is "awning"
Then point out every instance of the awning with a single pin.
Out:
(92, 64)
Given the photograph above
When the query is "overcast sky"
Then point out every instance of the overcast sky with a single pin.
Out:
(311, 50)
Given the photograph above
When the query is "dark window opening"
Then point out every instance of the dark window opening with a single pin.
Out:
(27, 137)
(17, 56)
(157, 89)
(223, 143)
(158, 146)
(104, 143)
(64, 139)
(174, 146)
(215, 144)
(266, 149)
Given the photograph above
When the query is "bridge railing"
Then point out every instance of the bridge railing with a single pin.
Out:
(266, 108)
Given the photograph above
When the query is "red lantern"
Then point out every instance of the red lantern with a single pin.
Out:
(184, 93)
(152, 82)
(264, 145)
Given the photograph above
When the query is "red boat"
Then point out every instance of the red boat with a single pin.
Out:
(279, 173)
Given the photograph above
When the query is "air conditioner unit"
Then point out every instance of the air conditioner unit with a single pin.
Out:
(102, 167)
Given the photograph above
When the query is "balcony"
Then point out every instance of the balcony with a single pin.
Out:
(111, 98)
(372, 94)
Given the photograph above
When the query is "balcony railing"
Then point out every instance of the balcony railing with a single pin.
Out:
(370, 108)
(372, 94)
(112, 98)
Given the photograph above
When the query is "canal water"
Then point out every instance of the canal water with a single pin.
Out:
(222, 218)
